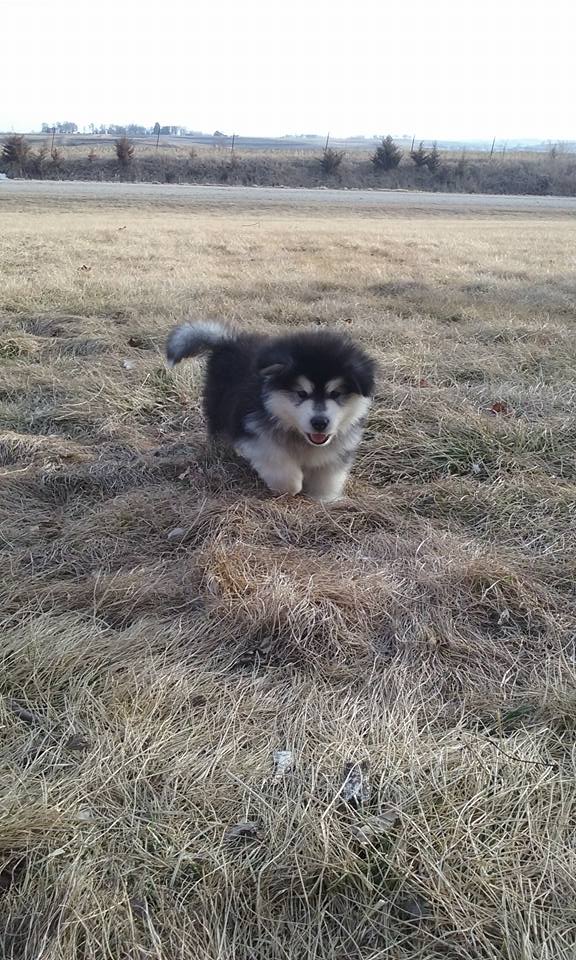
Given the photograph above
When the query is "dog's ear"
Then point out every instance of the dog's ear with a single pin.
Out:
(274, 364)
(271, 370)
(361, 376)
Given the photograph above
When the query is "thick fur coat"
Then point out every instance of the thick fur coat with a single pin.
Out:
(293, 406)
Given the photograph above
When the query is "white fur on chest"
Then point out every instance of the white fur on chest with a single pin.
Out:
(287, 463)
(315, 457)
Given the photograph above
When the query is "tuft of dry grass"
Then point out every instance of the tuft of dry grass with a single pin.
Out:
(168, 627)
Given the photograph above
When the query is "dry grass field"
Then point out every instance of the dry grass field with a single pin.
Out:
(168, 627)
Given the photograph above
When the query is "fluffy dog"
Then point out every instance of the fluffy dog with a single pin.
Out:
(293, 406)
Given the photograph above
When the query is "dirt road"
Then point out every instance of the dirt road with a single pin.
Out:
(387, 202)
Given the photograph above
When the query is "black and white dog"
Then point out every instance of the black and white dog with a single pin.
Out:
(293, 405)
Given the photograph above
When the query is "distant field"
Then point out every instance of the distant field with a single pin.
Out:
(168, 627)
(302, 144)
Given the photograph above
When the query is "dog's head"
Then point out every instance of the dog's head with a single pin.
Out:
(317, 384)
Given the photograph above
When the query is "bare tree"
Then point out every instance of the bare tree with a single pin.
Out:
(124, 152)
(16, 153)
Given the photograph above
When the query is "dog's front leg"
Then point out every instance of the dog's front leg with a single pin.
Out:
(272, 464)
(326, 483)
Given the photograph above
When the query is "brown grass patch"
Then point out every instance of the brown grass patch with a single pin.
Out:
(167, 626)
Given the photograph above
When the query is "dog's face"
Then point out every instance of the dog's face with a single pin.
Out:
(316, 384)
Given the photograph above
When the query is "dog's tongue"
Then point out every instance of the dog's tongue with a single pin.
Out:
(318, 437)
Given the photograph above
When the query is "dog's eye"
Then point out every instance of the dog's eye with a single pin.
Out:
(301, 394)
(334, 395)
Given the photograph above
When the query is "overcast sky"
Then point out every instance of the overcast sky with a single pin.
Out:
(441, 69)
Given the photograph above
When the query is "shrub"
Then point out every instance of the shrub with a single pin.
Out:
(36, 162)
(387, 155)
(16, 153)
(434, 160)
(170, 174)
(419, 156)
(462, 165)
(124, 151)
(230, 169)
(56, 159)
(330, 160)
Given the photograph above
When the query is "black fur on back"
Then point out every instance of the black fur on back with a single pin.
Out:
(242, 369)
(233, 386)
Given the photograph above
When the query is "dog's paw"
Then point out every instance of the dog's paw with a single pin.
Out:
(286, 490)
(285, 483)
(330, 499)
(341, 503)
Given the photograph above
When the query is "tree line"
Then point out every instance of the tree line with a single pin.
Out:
(67, 128)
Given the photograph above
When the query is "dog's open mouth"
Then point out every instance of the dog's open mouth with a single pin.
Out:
(319, 438)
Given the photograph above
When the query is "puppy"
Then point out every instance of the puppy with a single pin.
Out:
(293, 406)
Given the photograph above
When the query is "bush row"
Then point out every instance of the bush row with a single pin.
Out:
(388, 168)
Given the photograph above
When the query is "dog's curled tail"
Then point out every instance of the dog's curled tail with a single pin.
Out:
(192, 339)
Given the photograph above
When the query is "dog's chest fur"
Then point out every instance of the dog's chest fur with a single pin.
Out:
(339, 451)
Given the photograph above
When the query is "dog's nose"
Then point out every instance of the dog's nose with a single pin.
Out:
(319, 423)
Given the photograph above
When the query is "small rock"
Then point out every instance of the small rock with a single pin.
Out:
(413, 909)
(177, 533)
(282, 763)
(355, 788)
(77, 742)
(24, 714)
(379, 905)
(247, 830)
